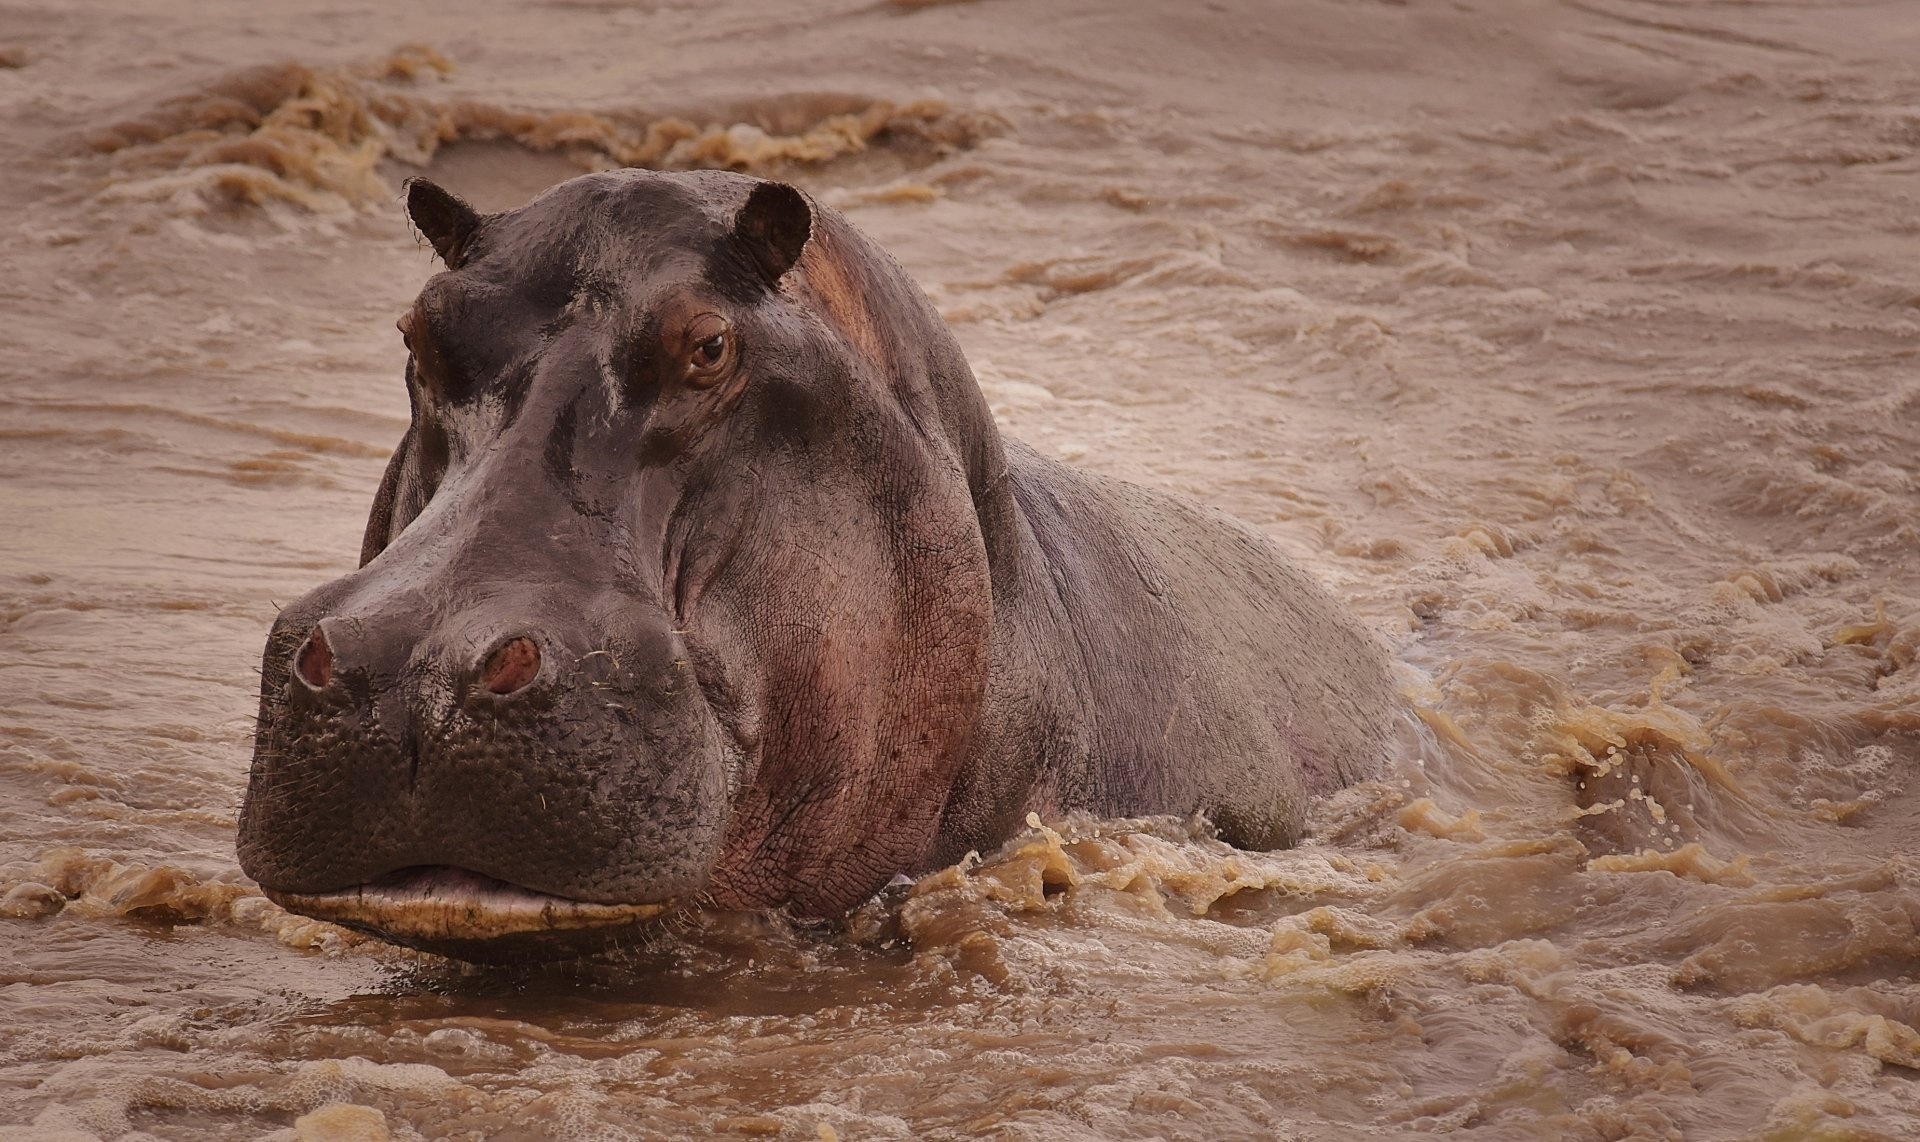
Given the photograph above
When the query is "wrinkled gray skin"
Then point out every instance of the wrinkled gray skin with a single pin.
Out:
(646, 617)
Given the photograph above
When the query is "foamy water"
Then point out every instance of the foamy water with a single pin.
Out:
(1573, 344)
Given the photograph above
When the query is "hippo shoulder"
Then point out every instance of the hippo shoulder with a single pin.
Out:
(1220, 677)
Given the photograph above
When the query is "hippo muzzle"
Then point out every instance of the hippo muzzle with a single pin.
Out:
(485, 739)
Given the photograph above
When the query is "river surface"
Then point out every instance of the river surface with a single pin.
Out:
(1572, 343)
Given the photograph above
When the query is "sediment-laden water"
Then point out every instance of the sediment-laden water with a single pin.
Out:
(1573, 343)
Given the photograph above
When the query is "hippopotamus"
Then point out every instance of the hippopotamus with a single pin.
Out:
(703, 578)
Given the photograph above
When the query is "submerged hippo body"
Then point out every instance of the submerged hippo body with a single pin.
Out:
(703, 575)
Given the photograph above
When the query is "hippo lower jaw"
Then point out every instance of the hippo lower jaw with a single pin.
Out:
(453, 911)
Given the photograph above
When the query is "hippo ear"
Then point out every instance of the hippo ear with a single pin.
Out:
(772, 228)
(444, 217)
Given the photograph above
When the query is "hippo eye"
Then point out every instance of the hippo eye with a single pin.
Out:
(708, 336)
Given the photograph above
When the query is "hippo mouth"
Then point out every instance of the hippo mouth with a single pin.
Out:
(437, 908)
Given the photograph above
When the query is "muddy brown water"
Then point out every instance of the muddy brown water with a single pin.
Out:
(1572, 343)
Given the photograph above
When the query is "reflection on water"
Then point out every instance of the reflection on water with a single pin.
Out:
(1575, 348)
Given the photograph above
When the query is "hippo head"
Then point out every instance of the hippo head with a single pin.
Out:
(675, 591)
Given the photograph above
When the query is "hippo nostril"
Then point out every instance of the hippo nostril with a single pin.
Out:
(511, 667)
(314, 662)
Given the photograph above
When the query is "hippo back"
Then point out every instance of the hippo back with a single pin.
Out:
(1200, 669)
